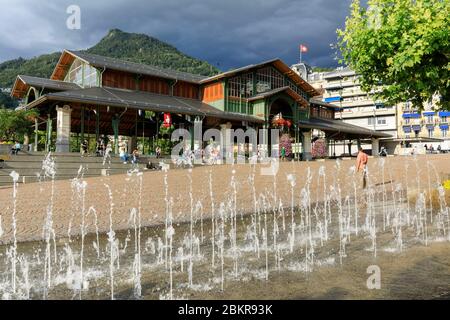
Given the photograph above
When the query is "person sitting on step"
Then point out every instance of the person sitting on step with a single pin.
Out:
(16, 148)
(84, 148)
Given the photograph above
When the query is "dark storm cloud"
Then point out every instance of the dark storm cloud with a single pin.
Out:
(232, 33)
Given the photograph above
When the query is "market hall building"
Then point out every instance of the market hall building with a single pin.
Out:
(91, 94)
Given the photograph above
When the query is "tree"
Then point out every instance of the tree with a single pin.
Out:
(15, 125)
(403, 45)
(7, 101)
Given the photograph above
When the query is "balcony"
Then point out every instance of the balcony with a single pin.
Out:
(430, 121)
(412, 122)
(333, 85)
(358, 103)
(341, 84)
(352, 93)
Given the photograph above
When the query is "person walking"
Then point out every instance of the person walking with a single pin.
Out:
(361, 165)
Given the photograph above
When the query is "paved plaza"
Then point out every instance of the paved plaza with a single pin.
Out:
(33, 202)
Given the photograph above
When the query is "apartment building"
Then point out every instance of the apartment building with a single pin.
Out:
(430, 125)
(341, 87)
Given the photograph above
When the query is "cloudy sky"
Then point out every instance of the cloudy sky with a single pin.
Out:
(230, 33)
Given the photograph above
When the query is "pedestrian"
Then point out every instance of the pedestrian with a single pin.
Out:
(135, 156)
(99, 150)
(361, 165)
(84, 148)
(158, 152)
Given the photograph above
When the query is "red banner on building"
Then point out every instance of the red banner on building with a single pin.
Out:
(167, 120)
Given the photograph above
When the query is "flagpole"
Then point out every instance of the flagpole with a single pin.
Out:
(300, 53)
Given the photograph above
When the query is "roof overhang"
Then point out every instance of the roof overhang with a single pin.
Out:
(294, 95)
(338, 127)
(23, 84)
(415, 139)
(324, 104)
(65, 61)
(140, 100)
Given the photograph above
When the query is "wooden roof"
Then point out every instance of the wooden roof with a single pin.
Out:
(294, 95)
(94, 60)
(23, 84)
(279, 65)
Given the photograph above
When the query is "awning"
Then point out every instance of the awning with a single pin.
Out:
(444, 113)
(429, 113)
(430, 126)
(332, 99)
(411, 115)
(416, 128)
(444, 126)
(407, 129)
(339, 126)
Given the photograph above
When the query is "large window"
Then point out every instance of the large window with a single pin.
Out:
(268, 79)
(381, 121)
(90, 76)
(82, 74)
(241, 86)
(75, 74)
(263, 80)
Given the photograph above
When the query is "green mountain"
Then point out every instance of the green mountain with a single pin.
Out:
(133, 47)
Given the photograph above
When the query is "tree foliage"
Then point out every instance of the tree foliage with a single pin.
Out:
(403, 45)
(14, 125)
(7, 101)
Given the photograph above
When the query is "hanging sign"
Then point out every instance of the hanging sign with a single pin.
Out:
(167, 120)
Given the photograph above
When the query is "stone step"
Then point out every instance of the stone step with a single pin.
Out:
(69, 171)
(68, 158)
(30, 178)
(64, 165)
(29, 166)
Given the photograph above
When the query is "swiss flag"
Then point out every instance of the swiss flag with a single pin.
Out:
(303, 48)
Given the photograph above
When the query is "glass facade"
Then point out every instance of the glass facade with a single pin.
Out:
(253, 83)
(82, 74)
(263, 80)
